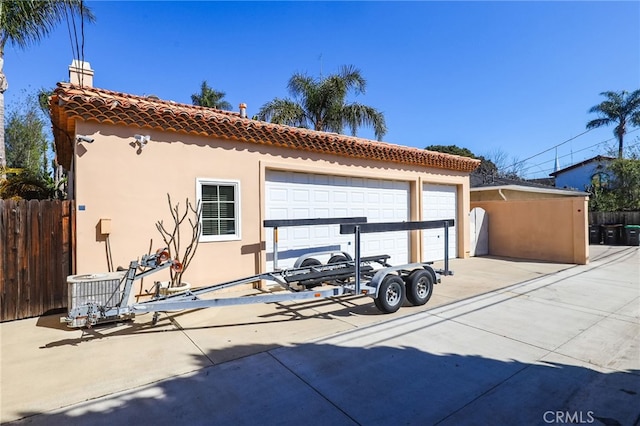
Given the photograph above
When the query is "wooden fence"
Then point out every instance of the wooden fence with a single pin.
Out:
(614, 218)
(36, 254)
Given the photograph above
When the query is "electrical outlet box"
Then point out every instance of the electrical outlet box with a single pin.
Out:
(105, 226)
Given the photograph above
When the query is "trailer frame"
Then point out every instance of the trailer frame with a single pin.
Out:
(388, 285)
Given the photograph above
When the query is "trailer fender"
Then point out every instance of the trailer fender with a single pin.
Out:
(402, 271)
(315, 254)
(434, 275)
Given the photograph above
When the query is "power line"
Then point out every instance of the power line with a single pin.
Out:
(77, 52)
(580, 150)
(552, 148)
(552, 169)
(567, 155)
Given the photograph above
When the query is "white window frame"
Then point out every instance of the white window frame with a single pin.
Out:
(236, 187)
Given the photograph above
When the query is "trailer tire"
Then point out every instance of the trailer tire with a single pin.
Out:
(310, 262)
(391, 294)
(419, 287)
(337, 258)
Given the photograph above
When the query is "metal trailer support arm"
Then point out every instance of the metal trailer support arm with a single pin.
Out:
(275, 223)
(360, 228)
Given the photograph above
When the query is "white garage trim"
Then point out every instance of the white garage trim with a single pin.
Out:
(439, 202)
(295, 195)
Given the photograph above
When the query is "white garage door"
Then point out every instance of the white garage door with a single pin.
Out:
(438, 202)
(291, 195)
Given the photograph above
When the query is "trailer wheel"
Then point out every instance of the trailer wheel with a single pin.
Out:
(337, 258)
(419, 287)
(310, 262)
(390, 294)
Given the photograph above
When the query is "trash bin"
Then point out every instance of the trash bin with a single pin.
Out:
(632, 235)
(595, 234)
(611, 234)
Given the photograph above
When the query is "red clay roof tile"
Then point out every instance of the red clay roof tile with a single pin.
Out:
(70, 102)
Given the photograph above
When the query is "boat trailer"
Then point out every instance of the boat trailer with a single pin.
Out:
(102, 298)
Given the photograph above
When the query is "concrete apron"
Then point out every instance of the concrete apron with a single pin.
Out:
(501, 342)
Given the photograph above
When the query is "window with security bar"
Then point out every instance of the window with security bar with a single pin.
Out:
(220, 217)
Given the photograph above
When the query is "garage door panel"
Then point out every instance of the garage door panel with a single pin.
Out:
(321, 212)
(357, 197)
(301, 195)
(321, 232)
(340, 197)
(373, 197)
(301, 233)
(356, 213)
(300, 213)
(279, 194)
(338, 212)
(277, 213)
(439, 202)
(321, 196)
(295, 195)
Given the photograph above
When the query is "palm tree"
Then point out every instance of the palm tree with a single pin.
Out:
(620, 108)
(320, 104)
(23, 23)
(208, 97)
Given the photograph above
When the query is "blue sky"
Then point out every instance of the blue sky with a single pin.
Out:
(515, 78)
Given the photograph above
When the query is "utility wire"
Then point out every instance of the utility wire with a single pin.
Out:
(550, 149)
(82, 29)
(567, 155)
(580, 150)
(67, 13)
(76, 51)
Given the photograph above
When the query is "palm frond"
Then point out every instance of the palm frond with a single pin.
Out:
(23, 23)
(353, 79)
(283, 111)
(300, 84)
(620, 108)
(357, 115)
(599, 122)
(210, 98)
(321, 104)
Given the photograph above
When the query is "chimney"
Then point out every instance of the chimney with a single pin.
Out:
(243, 110)
(80, 73)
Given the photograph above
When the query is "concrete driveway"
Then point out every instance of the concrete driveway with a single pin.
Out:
(501, 342)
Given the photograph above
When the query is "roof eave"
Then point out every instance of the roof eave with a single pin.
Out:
(531, 189)
(89, 104)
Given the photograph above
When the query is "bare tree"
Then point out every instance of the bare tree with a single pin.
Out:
(174, 238)
(506, 166)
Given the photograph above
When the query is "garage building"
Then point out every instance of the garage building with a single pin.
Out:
(243, 171)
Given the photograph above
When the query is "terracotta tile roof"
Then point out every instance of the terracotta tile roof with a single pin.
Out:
(70, 102)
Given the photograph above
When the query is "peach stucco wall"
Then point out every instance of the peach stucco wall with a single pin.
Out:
(115, 180)
(551, 229)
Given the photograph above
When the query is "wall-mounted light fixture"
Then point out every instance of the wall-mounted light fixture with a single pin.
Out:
(83, 138)
(142, 140)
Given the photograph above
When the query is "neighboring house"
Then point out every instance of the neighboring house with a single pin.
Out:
(584, 174)
(244, 171)
(532, 221)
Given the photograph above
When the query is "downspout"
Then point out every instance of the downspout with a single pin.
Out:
(501, 194)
